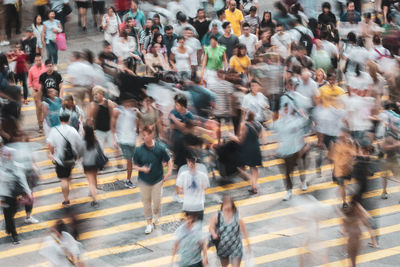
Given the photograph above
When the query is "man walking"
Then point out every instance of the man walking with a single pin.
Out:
(33, 82)
(148, 161)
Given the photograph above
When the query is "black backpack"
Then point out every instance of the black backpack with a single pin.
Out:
(306, 41)
(69, 155)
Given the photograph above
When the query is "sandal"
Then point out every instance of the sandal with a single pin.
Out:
(252, 191)
(66, 204)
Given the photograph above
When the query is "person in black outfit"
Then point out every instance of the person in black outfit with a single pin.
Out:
(326, 17)
(169, 38)
(50, 79)
(201, 23)
(29, 45)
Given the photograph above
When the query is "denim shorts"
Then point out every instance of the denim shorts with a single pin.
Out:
(127, 151)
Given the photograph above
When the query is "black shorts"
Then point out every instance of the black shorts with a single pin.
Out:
(340, 180)
(98, 7)
(89, 168)
(274, 102)
(81, 4)
(63, 172)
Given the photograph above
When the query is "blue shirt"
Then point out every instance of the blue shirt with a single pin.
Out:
(139, 17)
(49, 34)
(182, 118)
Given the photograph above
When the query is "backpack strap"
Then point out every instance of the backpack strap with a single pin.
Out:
(61, 134)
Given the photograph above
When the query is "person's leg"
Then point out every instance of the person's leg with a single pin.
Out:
(49, 51)
(91, 176)
(55, 53)
(38, 104)
(17, 21)
(156, 195)
(353, 246)
(8, 20)
(28, 210)
(9, 213)
(254, 178)
(236, 261)
(145, 193)
(25, 86)
(65, 188)
(129, 165)
(224, 262)
(82, 16)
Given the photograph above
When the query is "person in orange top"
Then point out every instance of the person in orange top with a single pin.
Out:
(235, 17)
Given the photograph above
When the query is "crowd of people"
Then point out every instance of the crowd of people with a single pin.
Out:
(176, 85)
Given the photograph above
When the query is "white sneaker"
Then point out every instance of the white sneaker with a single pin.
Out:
(31, 220)
(304, 186)
(5, 42)
(149, 229)
(288, 195)
(176, 198)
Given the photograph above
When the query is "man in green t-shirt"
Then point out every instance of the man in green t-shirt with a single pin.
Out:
(148, 161)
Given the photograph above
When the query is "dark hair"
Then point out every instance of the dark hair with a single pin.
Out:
(330, 74)
(324, 35)
(351, 37)
(148, 129)
(11, 77)
(326, 5)
(106, 43)
(220, 12)
(245, 25)
(255, 81)
(89, 56)
(241, 46)
(34, 20)
(48, 62)
(156, 16)
(3, 62)
(155, 37)
(181, 17)
(214, 37)
(225, 24)
(69, 97)
(76, 54)
(181, 100)
(191, 156)
(89, 137)
(376, 39)
(228, 197)
(155, 27)
(360, 41)
(180, 37)
(278, 5)
(60, 226)
(367, 15)
(250, 116)
(136, 1)
(200, 9)
(64, 117)
(168, 28)
(349, 2)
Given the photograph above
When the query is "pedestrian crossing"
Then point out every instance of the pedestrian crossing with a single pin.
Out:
(114, 233)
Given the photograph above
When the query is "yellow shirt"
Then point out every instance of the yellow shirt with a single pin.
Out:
(41, 3)
(240, 64)
(235, 18)
(329, 94)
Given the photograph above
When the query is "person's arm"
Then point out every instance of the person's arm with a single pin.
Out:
(243, 229)
(30, 79)
(169, 169)
(203, 67)
(385, 13)
(213, 226)
(242, 134)
(61, 90)
(174, 251)
(204, 249)
(177, 124)
(114, 119)
(226, 65)
(43, 34)
(172, 61)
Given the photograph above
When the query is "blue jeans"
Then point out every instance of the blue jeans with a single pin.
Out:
(52, 51)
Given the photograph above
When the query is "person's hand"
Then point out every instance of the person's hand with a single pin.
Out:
(54, 30)
(214, 236)
(116, 146)
(166, 176)
(145, 169)
(175, 69)
(205, 261)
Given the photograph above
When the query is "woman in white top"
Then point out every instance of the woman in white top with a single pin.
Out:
(110, 24)
(37, 27)
(180, 58)
(125, 46)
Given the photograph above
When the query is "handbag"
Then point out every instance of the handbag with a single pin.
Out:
(101, 158)
(61, 41)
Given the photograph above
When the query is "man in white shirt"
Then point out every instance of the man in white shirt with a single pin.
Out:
(308, 87)
(282, 40)
(378, 52)
(193, 181)
(298, 29)
(57, 143)
(249, 40)
(195, 45)
(219, 20)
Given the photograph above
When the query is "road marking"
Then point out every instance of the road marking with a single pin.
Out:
(274, 235)
(177, 216)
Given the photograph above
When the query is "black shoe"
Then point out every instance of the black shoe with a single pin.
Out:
(66, 204)
(95, 24)
(15, 239)
(84, 29)
(101, 29)
(94, 204)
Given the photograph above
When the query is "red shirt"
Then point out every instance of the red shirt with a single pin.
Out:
(21, 63)
(34, 75)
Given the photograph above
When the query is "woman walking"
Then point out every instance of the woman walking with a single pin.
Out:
(180, 59)
(51, 27)
(110, 24)
(227, 228)
(38, 31)
(214, 60)
(74, 111)
(89, 154)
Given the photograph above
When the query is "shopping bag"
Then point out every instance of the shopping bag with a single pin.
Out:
(61, 41)
(249, 259)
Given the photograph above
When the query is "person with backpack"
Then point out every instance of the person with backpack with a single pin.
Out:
(302, 35)
(64, 144)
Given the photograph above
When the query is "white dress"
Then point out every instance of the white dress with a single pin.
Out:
(112, 30)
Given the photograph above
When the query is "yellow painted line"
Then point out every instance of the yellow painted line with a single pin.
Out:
(178, 216)
(137, 205)
(40, 138)
(367, 257)
(277, 234)
(28, 108)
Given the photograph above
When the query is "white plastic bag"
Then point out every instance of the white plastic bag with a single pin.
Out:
(249, 259)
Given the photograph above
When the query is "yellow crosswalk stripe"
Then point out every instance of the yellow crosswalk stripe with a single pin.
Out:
(173, 217)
